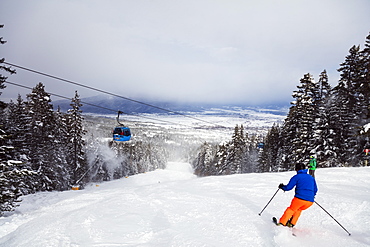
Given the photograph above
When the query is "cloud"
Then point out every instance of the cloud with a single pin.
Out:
(201, 51)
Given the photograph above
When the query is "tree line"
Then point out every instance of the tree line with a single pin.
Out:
(239, 155)
(323, 121)
(42, 149)
(45, 148)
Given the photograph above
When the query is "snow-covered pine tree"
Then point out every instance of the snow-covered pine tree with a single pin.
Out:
(366, 90)
(324, 87)
(365, 72)
(364, 97)
(338, 120)
(307, 98)
(352, 75)
(347, 109)
(61, 151)
(204, 163)
(16, 119)
(41, 139)
(251, 153)
(286, 160)
(220, 158)
(239, 143)
(76, 145)
(322, 143)
(299, 126)
(268, 160)
(11, 177)
(236, 152)
(9, 192)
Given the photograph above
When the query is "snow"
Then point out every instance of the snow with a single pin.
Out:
(172, 207)
(366, 128)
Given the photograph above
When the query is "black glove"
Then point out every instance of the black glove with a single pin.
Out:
(281, 186)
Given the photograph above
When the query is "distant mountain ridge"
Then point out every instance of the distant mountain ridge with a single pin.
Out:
(107, 105)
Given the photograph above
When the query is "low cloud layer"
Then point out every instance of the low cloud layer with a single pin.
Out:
(248, 52)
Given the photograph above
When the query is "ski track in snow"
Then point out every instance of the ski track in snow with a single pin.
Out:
(172, 207)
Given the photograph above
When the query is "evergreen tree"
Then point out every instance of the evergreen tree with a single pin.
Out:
(236, 151)
(16, 119)
(61, 151)
(365, 80)
(352, 76)
(300, 125)
(268, 161)
(286, 160)
(11, 176)
(324, 87)
(251, 154)
(2, 77)
(364, 96)
(204, 163)
(347, 109)
(322, 143)
(76, 145)
(366, 89)
(41, 139)
(220, 159)
(307, 98)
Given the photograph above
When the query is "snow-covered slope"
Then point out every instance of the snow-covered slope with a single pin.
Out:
(172, 207)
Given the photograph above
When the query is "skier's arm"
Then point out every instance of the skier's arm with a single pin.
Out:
(291, 184)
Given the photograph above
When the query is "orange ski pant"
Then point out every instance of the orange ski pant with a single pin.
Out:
(294, 210)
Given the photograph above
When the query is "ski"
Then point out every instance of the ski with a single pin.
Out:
(276, 222)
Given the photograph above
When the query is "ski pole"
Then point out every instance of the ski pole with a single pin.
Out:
(269, 202)
(333, 218)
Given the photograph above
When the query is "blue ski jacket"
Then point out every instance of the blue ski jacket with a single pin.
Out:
(305, 186)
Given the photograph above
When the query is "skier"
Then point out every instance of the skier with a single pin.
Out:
(305, 192)
(312, 166)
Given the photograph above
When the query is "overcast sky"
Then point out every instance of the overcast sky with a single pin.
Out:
(221, 51)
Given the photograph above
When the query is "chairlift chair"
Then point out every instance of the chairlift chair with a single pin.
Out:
(121, 132)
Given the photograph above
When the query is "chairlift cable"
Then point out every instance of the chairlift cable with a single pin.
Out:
(101, 107)
(109, 93)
